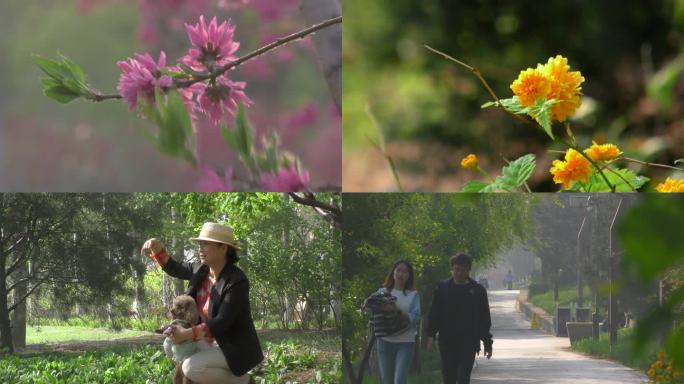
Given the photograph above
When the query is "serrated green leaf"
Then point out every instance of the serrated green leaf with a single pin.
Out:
(513, 105)
(488, 104)
(541, 113)
(61, 94)
(623, 179)
(474, 186)
(75, 71)
(516, 173)
(51, 67)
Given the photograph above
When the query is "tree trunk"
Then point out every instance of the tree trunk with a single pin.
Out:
(328, 42)
(18, 318)
(5, 328)
(140, 301)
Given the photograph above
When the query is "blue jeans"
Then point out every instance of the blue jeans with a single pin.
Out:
(395, 360)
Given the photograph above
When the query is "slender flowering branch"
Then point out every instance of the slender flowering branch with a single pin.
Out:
(484, 82)
(233, 64)
(281, 41)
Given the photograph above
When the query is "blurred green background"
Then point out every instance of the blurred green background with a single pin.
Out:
(46, 146)
(631, 54)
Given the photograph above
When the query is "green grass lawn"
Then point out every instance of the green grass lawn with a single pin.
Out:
(290, 356)
(621, 351)
(566, 296)
(57, 334)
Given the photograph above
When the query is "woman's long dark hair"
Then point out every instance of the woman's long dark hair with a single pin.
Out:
(231, 255)
(389, 279)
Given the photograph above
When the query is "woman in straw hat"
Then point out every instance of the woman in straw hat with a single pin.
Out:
(221, 291)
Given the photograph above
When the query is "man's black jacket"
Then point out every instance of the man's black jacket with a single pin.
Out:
(229, 319)
(472, 321)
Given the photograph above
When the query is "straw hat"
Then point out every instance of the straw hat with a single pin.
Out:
(218, 233)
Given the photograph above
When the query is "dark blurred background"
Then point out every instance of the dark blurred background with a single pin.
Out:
(46, 146)
(631, 54)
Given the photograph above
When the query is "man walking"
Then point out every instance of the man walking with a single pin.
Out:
(460, 314)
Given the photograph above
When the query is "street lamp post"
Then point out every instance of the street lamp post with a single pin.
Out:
(612, 301)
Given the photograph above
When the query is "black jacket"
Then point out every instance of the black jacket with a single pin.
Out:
(474, 321)
(229, 318)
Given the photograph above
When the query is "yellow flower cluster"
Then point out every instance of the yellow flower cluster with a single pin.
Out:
(574, 168)
(553, 80)
(469, 162)
(577, 168)
(671, 185)
(661, 371)
(603, 152)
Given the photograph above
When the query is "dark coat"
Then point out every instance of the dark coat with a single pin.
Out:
(229, 318)
(476, 318)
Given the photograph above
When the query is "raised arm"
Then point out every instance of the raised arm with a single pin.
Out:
(155, 250)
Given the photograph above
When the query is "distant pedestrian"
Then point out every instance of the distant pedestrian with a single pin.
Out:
(460, 315)
(395, 320)
(508, 280)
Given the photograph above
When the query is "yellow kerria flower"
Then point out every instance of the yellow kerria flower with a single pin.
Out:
(531, 85)
(671, 185)
(603, 152)
(469, 162)
(651, 372)
(574, 168)
(565, 87)
(661, 355)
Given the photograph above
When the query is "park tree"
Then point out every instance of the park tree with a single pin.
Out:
(81, 247)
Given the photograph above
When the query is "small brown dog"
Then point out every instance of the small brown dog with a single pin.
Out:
(184, 313)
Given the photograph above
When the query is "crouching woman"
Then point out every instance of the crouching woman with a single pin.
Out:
(221, 291)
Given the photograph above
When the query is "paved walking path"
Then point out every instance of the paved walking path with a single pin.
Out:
(522, 355)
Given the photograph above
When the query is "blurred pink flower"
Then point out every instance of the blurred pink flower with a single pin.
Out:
(286, 180)
(210, 181)
(232, 4)
(222, 99)
(213, 45)
(271, 10)
(305, 116)
(140, 76)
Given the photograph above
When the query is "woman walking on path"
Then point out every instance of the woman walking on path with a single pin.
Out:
(221, 291)
(395, 350)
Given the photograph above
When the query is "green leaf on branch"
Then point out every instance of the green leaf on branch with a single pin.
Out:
(61, 94)
(474, 186)
(66, 81)
(489, 104)
(176, 137)
(245, 133)
(515, 174)
(624, 180)
(679, 161)
(541, 113)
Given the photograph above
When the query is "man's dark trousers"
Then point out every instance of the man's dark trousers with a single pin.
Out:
(457, 363)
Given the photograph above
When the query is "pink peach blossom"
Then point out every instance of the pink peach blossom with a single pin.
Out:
(286, 180)
(140, 76)
(213, 45)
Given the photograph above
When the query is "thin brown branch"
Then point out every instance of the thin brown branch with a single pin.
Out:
(281, 41)
(652, 164)
(254, 54)
(309, 199)
(484, 82)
